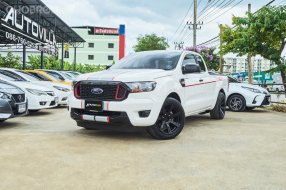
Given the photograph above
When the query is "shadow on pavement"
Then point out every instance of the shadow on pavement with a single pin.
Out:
(39, 113)
(123, 134)
(9, 125)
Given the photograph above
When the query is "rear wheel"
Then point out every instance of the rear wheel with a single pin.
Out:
(170, 122)
(1, 121)
(236, 103)
(219, 110)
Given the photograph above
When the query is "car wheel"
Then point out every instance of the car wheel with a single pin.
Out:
(170, 122)
(219, 110)
(250, 108)
(236, 103)
(1, 121)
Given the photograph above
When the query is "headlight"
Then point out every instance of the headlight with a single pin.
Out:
(141, 86)
(61, 88)
(5, 96)
(36, 92)
(252, 89)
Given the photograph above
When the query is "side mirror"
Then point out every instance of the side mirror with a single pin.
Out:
(191, 68)
(107, 67)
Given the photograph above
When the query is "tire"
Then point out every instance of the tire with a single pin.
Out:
(236, 103)
(170, 122)
(1, 121)
(250, 108)
(218, 111)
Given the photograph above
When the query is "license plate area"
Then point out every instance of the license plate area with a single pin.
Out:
(22, 108)
(94, 106)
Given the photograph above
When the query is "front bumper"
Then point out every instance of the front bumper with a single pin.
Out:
(9, 109)
(100, 120)
(258, 100)
(119, 113)
(42, 102)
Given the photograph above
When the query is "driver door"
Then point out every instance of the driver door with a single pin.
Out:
(194, 97)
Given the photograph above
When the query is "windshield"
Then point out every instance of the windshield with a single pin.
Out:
(67, 76)
(11, 76)
(232, 80)
(27, 76)
(149, 60)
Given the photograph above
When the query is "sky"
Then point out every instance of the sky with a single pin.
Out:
(162, 17)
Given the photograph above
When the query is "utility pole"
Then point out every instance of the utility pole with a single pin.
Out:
(195, 25)
(250, 69)
(220, 52)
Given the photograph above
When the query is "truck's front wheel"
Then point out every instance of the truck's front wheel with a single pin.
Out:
(170, 122)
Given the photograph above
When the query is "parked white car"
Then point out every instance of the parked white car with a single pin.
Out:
(155, 89)
(62, 91)
(242, 96)
(39, 97)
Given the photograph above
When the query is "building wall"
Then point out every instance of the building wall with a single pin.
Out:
(101, 52)
(235, 64)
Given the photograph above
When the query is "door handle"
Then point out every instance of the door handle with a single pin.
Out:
(201, 80)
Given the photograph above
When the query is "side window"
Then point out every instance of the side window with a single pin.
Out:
(201, 63)
(189, 59)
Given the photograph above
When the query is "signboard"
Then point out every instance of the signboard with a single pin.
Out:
(103, 31)
(20, 29)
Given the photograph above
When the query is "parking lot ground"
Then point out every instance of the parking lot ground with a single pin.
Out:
(47, 151)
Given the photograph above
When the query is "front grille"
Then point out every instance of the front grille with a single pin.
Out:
(109, 91)
(19, 98)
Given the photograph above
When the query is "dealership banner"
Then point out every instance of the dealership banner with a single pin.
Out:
(16, 28)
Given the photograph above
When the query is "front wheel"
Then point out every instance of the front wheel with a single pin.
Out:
(236, 103)
(170, 122)
(219, 110)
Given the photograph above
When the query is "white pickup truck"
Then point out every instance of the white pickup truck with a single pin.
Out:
(154, 89)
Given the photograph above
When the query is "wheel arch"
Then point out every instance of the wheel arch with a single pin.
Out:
(233, 95)
(175, 96)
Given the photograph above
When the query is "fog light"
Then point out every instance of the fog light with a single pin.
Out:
(43, 103)
(144, 113)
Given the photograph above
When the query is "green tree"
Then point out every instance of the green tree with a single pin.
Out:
(150, 42)
(261, 33)
(10, 61)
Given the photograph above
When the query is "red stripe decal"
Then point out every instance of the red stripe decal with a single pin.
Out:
(108, 119)
(107, 106)
(200, 84)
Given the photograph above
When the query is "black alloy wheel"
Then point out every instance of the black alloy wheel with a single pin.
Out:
(170, 122)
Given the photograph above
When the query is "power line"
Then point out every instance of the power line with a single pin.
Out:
(214, 38)
(225, 12)
(183, 20)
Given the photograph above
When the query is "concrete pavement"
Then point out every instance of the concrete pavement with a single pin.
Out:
(47, 151)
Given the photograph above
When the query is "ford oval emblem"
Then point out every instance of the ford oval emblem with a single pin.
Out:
(96, 91)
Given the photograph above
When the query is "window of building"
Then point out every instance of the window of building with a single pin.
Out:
(91, 45)
(110, 45)
(90, 57)
(110, 58)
